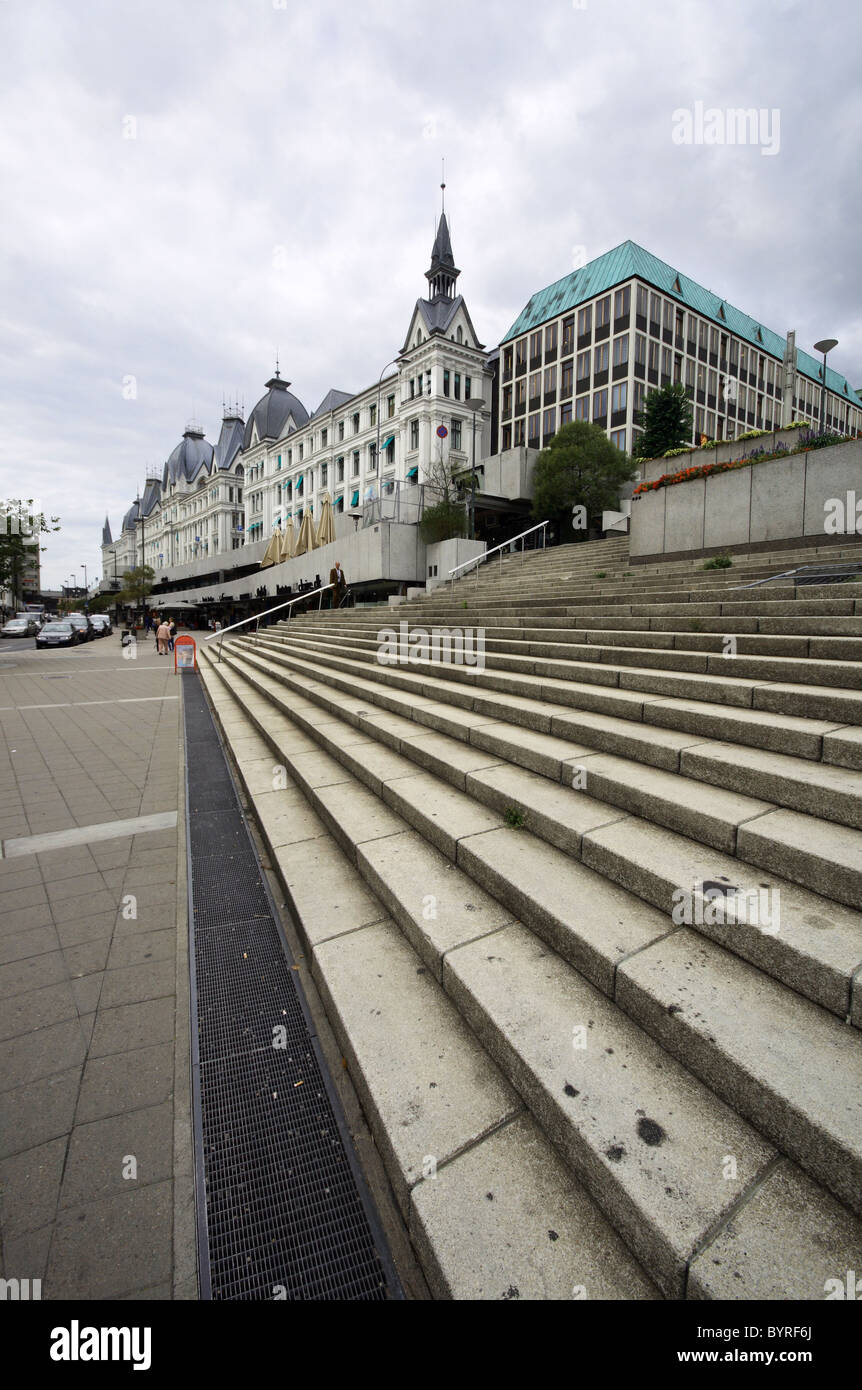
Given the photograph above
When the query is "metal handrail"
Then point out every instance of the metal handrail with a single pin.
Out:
(256, 617)
(480, 559)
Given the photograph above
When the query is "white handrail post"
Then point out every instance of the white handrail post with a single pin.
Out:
(220, 640)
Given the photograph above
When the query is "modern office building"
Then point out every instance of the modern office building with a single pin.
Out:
(592, 345)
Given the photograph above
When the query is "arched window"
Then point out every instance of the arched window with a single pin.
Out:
(460, 335)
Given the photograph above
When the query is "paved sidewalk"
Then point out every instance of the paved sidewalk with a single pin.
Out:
(96, 1172)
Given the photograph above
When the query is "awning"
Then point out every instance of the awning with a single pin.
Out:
(411, 472)
(387, 442)
(354, 501)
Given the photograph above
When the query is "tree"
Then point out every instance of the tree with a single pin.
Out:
(579, 468)
(666, 421)
(137, 583)
(21, 527)
(447, 517)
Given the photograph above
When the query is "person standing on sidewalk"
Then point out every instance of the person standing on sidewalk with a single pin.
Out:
(336, 578)
(163, 634)
(172, 632)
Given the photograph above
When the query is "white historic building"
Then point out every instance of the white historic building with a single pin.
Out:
(359, 448)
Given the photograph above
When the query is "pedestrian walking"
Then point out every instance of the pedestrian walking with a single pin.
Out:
(337, 579)
(163, 634)
(172, 632)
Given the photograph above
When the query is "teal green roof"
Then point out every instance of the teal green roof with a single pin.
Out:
(628, 260)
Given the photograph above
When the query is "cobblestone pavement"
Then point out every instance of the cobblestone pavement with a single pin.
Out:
(96, 1174)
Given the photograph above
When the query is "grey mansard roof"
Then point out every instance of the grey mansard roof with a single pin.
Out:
(191, 454)
(130, 520)
(230, 442)
(272, 412)
(331, 401)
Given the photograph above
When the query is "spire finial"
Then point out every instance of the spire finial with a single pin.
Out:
(277, 372)
(443, 189)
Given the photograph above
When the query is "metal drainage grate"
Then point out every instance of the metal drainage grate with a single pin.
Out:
(283, 1211)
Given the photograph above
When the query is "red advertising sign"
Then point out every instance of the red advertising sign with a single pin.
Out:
(185, 654)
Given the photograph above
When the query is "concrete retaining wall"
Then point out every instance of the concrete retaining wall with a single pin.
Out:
(764, 506)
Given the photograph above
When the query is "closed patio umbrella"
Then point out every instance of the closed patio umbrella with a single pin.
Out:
(288, 539)
(305, 539)
(326, 525)
(271, 554)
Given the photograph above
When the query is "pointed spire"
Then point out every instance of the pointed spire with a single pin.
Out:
(442, 275)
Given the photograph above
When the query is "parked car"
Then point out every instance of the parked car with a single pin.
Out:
(59, 634)
(102, 623)
(19, 627)
(82, 623)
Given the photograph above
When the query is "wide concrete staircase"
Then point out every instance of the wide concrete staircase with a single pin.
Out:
(585, 915)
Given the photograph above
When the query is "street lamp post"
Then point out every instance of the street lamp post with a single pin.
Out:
(392, 361)
(826, 345)
(86, 586)
(475, 404)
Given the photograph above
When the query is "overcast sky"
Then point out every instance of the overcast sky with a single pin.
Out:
(191, 185)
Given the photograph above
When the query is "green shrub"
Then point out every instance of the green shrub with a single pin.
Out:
(514, 817)
(601, 574)
(718, 562)
(443, 522)
(752, 434)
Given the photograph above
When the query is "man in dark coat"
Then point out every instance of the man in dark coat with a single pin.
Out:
(336, 577)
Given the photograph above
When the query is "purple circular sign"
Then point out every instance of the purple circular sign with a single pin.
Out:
(442, 431)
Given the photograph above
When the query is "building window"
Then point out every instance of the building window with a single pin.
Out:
(521, 355)
(324, 473)
(621, 351)
(339, 469)
(390, 406)
(521, 394)
(414, 434)
(372, 457)
(603, 311)
(446, 390)
(355, 463)
(534, 431)
(585, 321)
(535, 385)
(622, 302)
(551, 338)
(642, 298)
(356, 423)
(468, 386)
(618, 438)
(550, 378)
(583, 365)
(653, 356)
(456, 435)
(638, 397)
(600, 405)
(341, 429)
(457, 386)
(549, 422)
(519, 433)
(582, 408)
(568, 334)
(565, 414)
(602, 355)
(535, 345)
(566, 375)
(619, 397)
(640, 350)
(507, 437)
(372, 414)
